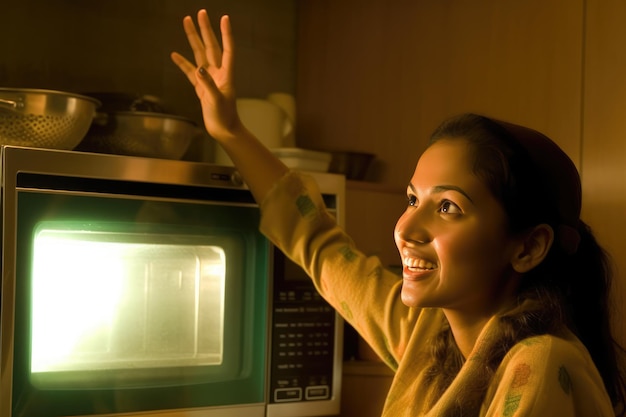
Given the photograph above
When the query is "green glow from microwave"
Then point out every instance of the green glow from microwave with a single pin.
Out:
(114, 300)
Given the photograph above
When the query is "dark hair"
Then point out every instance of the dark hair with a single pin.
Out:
(571, 286)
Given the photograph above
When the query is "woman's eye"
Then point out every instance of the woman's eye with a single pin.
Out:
(412, 200)
(449, 207)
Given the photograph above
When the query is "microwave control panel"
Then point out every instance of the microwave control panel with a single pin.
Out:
(303, 339)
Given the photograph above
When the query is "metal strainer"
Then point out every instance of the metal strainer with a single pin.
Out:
(44, 118)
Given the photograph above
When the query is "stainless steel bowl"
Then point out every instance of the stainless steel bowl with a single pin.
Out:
(153, 135)
(44, 118)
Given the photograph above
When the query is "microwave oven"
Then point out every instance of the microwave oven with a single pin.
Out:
(142, 287)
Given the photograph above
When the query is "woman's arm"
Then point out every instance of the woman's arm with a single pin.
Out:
(294, 217)
(212, 78)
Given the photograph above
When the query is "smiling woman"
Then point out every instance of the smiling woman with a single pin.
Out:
(502, 306)
(547, 265)
(503, 294)
(457, 229)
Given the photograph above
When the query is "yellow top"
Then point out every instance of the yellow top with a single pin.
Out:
(540, 376)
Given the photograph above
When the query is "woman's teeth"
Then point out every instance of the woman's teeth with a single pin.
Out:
(418, 264)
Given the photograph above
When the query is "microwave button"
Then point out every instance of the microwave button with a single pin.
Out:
(287, 394)
(319, 392)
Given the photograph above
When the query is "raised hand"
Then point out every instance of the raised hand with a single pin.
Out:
(212, 75)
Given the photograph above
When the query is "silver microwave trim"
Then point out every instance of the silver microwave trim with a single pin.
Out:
(133, 197)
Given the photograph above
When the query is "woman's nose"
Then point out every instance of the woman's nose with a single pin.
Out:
(413, 226)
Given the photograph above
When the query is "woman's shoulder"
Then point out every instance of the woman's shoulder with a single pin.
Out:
(554, 374)
(554, 357)
(544, 348)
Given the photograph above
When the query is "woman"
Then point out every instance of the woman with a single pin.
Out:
(502, 306)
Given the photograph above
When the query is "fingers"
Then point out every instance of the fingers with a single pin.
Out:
(205, 81)
(205, 47)
(228, 44)
(195, 42)
(211, 46)
(185, 66)
(213, 68)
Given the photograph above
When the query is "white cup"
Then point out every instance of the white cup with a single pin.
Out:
(266, 120)
(287, 102)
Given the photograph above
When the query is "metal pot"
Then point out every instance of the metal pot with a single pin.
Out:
(121, 102)
(44, 118)
(147, 134)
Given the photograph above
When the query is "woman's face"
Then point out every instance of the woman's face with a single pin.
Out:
(453, 237)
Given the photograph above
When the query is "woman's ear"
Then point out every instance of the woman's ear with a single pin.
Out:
(533, 248)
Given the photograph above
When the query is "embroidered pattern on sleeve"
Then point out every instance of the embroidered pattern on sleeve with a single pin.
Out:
(514, 396)
(347, 312)
(305, 205)
(347, 253)
(565, 380)
(377, 272)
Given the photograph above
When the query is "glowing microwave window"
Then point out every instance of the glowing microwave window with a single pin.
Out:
(123, 301)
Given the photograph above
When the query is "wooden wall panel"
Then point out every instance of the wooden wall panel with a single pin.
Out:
(379, 76)
(604, 135)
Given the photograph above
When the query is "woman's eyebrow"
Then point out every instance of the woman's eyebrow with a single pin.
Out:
(441, 188)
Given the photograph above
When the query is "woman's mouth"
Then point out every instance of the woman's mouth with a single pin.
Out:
(418, 264)
(415, 268)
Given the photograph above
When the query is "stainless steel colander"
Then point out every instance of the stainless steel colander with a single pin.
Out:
(44, 118)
